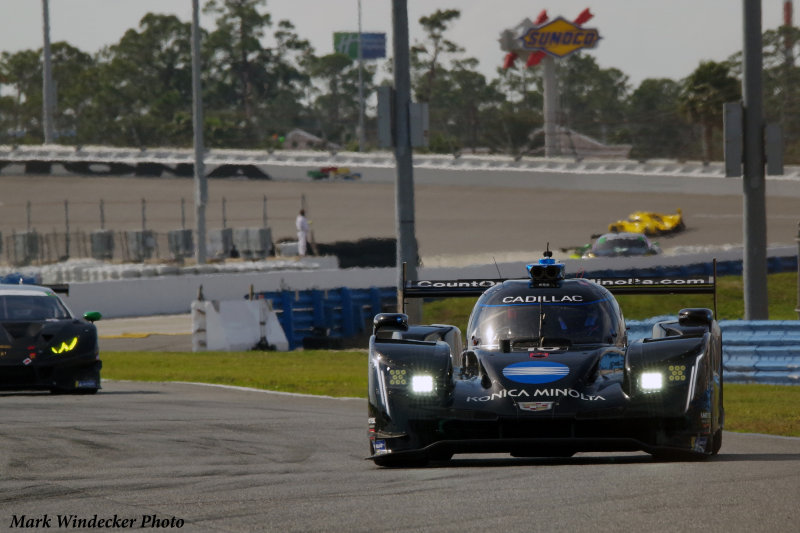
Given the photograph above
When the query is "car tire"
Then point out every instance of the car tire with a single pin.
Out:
(441, 456)
(389, 461)
(716, 443)
(73, 391)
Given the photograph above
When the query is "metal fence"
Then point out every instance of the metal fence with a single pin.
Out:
(33, 248)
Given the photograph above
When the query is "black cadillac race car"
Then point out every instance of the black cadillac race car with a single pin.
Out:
(43, 346)
(547, 371)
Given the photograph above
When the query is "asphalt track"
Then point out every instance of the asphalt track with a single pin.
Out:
(223, 459)
(239, 460)
(460, 217)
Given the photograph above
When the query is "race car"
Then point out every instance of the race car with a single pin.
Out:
(621, 245)
(547, 371)
(43, 346)
(649, 223)
(342, 173)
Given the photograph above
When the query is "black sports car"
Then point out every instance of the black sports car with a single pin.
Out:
(547, 372)
(43, 346)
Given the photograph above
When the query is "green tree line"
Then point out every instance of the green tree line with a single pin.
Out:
(261, 79)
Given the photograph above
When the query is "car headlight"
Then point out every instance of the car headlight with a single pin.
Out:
(398, 377)
(65, 346)
(651, 381)
(422, 384)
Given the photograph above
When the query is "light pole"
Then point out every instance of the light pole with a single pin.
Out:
(754, 186)
(47, 77)
(404, 186)
(200, 183)
(361, 134)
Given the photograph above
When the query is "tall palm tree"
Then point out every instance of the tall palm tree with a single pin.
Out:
(703, 94)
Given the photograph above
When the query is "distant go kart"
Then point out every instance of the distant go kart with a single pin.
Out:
(649, 223)
(341, 173)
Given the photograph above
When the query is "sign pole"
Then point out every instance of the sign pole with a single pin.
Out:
(552, 147)
(541, 42)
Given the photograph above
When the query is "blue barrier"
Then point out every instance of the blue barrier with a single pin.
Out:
(724, 268)
(15, 278)
(334, 313)
(753, 351)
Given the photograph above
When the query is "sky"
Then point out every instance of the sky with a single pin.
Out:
(642, 38)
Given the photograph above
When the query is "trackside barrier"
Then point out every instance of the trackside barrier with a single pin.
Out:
(16, 278)
(236, 325)
(334, 313)
(753, 351)
(724, 268)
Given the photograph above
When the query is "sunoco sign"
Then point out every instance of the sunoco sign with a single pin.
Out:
(559, 38)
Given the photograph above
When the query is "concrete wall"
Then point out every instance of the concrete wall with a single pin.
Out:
(174, 294)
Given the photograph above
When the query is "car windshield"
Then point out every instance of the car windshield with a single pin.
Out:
(607, 246)
(535, 325)
(31, 307)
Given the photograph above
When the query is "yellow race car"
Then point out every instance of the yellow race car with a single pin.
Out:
(649, 223)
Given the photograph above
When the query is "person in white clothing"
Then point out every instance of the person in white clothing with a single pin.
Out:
(302, 233)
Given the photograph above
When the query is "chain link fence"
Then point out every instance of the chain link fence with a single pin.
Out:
(33, 248)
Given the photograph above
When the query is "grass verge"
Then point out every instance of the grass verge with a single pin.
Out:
(749, 408)
(323, 372)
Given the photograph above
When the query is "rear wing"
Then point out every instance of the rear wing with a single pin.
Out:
(62, 288)
(701, 284)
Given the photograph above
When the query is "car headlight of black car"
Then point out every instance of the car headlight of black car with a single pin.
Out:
(677, 373)
(65, 346)
(417, 383)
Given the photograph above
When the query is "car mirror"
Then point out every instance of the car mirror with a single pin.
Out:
(92, 316)
(695, 317)
(390, 322)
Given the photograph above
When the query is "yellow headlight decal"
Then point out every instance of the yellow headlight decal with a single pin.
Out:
(65, 346)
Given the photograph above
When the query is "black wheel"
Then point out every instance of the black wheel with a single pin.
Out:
(441, 456)
(678, 455)
(561, 453)
(716, 442)
(74, 391)
(388, 461)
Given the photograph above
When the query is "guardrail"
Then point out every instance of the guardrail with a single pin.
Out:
(148, 161)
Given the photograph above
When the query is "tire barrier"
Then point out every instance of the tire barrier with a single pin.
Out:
(325, 319)
(753, 351)
(724, 268)
(362, 253)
